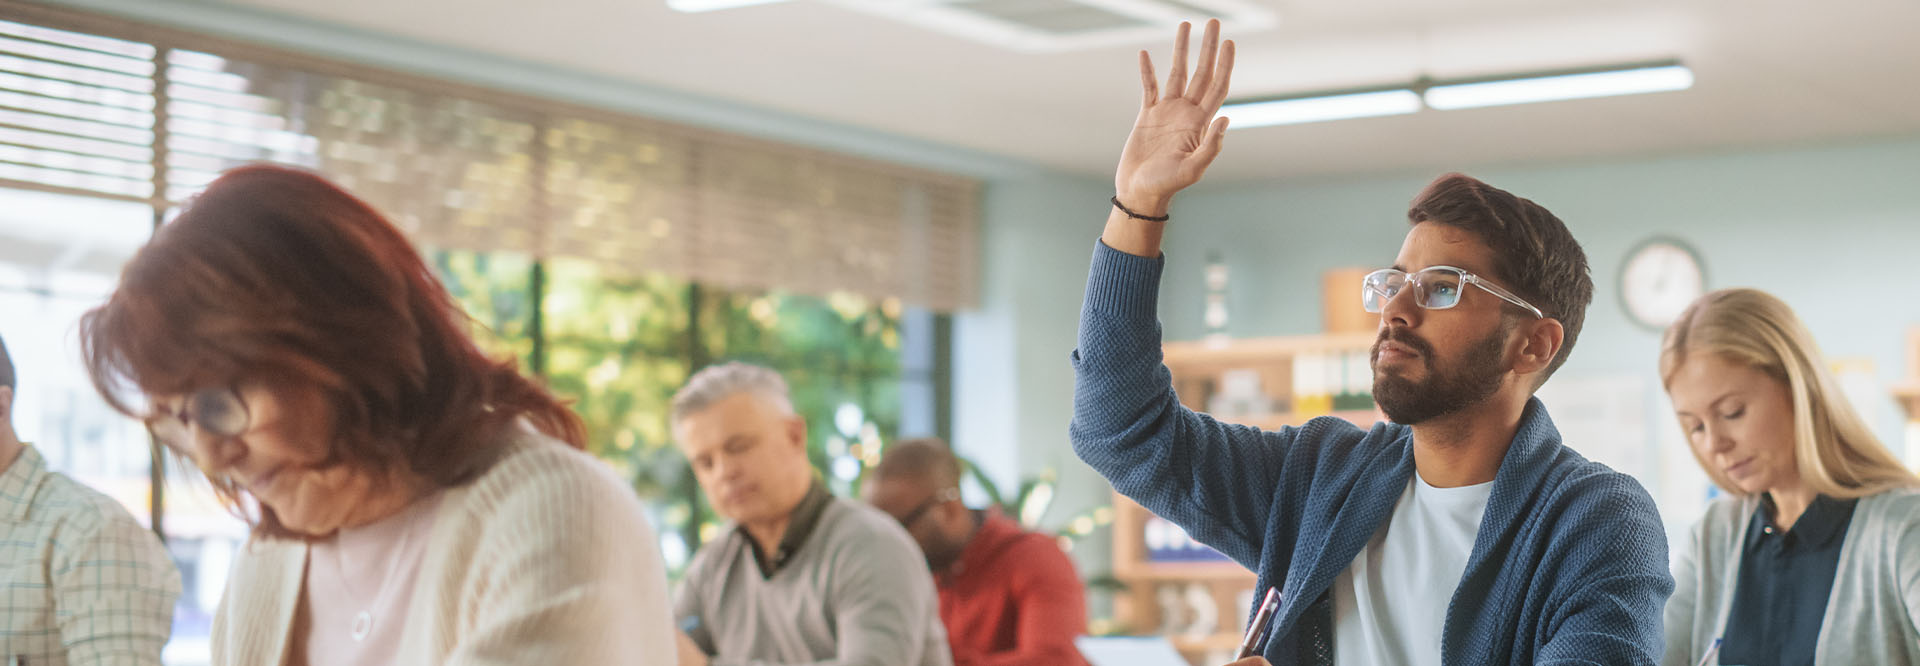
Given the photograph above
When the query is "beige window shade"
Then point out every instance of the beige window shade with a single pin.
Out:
(451, 172)
(806, 218)
(464, 167)
(622, 195)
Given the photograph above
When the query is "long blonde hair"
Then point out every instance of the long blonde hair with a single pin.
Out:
(1838, 456)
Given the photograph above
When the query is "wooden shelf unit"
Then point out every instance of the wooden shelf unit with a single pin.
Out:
(1908, 394)
(1199, 369)
(1907, 391)
(1196, 369)
(1138, 608)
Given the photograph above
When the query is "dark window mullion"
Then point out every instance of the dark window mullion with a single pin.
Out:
(157, 474)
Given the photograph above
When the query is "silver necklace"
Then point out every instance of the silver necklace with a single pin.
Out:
(363, 620)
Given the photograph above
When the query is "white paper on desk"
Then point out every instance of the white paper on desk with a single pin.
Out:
(1128, 651)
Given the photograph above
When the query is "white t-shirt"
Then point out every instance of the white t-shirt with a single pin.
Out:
(1391, 603)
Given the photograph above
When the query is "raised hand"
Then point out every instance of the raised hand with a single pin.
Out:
(1176, 135)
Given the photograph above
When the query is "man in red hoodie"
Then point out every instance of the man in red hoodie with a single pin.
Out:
(1009, 597)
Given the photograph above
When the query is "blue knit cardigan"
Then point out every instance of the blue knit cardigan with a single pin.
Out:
(1569, 567)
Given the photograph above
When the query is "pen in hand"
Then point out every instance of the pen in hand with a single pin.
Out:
(1711, 653)
(1255, 641)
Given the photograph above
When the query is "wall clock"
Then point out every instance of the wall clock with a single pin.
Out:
(1660, 278)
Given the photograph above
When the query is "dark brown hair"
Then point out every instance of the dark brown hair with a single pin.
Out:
(274, 275)
(1534, 255)
(926, 459)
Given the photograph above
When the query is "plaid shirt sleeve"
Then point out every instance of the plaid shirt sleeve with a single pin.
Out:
(114, 590)
(83, 582)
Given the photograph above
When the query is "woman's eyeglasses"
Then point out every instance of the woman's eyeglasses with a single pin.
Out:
(218, 412)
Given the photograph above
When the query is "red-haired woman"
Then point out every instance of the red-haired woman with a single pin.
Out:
(415, 501)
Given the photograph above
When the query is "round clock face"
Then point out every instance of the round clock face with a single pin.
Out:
(1659, 280)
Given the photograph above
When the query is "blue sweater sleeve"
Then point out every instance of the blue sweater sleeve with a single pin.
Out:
(1218, 481)
(1615, 576)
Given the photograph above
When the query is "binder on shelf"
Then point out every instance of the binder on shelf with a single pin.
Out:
(1167, 542)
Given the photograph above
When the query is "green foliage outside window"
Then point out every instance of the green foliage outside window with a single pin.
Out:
(618, 347)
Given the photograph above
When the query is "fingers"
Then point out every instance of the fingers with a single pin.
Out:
(1177, 79)
(1203, 73)
(1148, 86)
(1210, 147)
(1217, 95)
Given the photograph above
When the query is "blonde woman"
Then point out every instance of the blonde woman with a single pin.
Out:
(1814, 558)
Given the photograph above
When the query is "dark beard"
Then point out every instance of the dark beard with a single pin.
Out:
(941, 556)
(1470, 381)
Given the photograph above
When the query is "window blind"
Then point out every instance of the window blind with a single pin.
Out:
(87, 102)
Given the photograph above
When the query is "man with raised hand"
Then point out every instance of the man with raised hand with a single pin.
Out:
(1463, 531)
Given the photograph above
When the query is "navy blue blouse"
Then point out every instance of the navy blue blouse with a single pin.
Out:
(1785, 579)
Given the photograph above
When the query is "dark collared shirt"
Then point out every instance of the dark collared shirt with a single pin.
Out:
(1785, 579)
(805, 516)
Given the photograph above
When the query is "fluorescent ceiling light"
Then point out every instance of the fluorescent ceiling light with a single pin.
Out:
(1316, 109)
(1658, 78)
(691, 6)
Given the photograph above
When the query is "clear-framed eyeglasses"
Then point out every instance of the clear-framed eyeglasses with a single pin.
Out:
(1434, 288)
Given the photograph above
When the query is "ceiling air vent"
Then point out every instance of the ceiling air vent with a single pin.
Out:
(1051, 26)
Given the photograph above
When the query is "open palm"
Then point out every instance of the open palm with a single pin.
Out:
(1176, 136)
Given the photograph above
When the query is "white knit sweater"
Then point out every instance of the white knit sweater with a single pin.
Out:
(545, 559)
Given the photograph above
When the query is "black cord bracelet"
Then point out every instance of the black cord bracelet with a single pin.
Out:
(1137, 216)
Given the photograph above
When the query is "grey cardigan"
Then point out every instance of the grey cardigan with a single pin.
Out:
(1873, 615)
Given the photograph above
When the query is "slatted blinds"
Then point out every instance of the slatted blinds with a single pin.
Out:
(109, 108)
